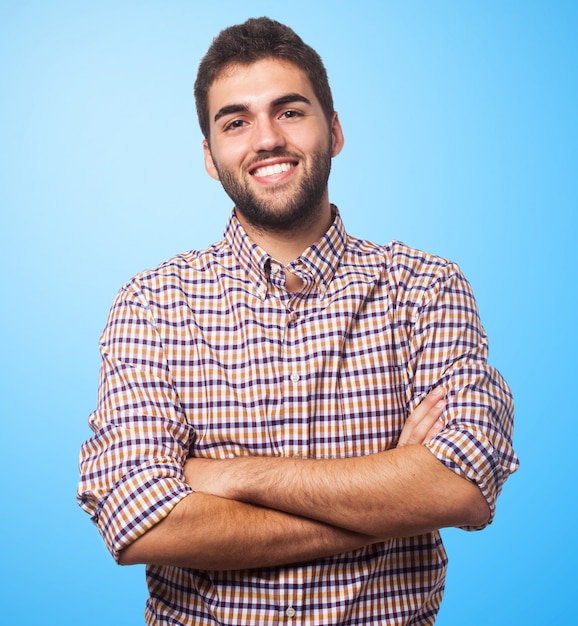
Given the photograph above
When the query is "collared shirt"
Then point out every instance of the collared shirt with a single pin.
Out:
(209, 354)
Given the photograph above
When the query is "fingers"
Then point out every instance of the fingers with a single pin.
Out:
(424, 423)
(435, 429)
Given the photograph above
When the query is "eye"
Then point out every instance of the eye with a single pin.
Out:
(290, 114)
(234, 125)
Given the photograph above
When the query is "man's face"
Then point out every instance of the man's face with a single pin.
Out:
(270, 144)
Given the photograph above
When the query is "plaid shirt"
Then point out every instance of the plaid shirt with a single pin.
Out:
(210, 355)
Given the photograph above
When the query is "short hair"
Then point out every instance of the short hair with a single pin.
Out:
(254, 40)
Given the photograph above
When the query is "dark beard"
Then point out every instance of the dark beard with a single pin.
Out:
(299, 210)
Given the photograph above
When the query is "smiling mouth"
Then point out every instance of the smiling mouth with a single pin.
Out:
(272, 170)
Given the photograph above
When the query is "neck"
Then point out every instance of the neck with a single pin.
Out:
(286, 246)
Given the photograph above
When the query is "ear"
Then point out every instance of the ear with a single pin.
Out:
(209, 163)
(337, 139)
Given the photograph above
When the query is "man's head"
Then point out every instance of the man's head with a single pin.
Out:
(254, 40)
(270, 129)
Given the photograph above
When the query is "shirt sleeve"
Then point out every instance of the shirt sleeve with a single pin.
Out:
(448, 347)
(131, 469)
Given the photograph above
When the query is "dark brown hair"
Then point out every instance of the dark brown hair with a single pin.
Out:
(254, 40)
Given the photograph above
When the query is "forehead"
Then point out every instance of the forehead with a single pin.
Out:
(257, 84)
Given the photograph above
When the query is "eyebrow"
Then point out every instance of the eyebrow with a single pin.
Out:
(231, 109)
(291, 97)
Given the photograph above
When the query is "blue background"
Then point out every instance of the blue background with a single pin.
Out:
(461, 135)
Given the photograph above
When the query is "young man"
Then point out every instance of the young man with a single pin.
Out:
(288, 418)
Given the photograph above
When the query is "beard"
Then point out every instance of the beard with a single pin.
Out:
(278, 210)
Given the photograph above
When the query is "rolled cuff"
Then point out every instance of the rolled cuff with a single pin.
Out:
(143, 498)
(471, 455)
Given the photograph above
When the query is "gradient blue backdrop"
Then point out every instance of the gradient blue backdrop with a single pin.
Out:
(461, 135)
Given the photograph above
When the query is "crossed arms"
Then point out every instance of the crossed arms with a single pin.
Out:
(261, 511)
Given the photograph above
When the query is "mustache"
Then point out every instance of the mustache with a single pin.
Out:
(278, 153)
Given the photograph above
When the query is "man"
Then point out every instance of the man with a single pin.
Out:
(287, 419)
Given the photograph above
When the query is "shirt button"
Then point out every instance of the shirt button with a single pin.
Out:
(290, 611)
(295, 378)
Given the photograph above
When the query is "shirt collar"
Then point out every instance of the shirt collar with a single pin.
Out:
(320, 260)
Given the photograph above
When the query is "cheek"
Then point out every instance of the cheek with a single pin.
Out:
(230, 157)
(314, 143)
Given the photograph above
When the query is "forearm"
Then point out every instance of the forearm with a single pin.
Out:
(212, 533)
(401, 492)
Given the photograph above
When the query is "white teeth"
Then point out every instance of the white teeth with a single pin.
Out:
(271, 170)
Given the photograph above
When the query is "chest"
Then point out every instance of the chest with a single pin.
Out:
(307, 376)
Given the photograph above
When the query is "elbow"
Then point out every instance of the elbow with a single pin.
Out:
(483, 514)
(477, 511)
(161, 544)
(130, 555)
(123, 559)
(146, 549)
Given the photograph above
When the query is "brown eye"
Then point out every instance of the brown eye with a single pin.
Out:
(234, 125)
(290, 114)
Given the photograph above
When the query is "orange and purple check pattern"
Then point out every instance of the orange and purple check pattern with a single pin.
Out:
(209, 355)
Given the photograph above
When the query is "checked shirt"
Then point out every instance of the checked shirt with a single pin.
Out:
(209, 355)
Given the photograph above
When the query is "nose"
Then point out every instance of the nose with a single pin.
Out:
(267, 135)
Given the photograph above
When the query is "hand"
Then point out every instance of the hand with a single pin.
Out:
(424, 423)
(204, 475)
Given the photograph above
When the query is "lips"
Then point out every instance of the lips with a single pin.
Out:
(274, 169)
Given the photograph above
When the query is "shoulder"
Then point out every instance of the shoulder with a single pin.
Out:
(412, 276)
(185, 272)
(400, 260)
(412, 266)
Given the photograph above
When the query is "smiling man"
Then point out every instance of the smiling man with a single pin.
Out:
(287, 419)
(272, 150)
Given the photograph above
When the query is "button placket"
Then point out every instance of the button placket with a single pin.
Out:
(296, 407)
(294, 375)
